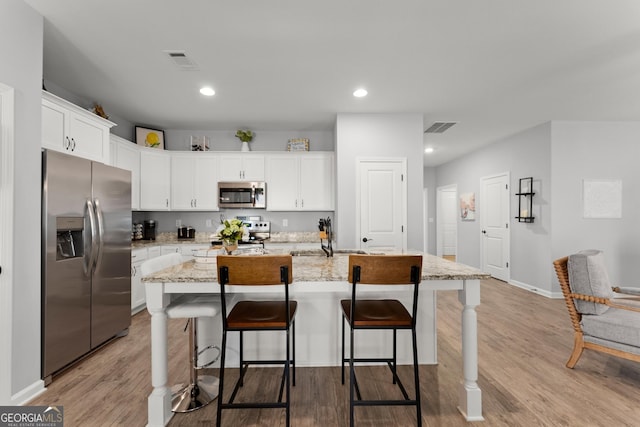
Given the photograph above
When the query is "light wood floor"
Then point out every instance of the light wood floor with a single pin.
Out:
(524, 342)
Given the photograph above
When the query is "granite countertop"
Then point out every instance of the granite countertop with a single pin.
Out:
(204, 237)
(319, 268)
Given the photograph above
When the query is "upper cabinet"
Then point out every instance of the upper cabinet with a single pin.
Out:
(241, 167)
(70, 129)
(300, 181)
(155, 179)
(193, 181)
(126, 155)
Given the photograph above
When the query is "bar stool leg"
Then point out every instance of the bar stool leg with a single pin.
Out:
(352, 377)
(192, 396)
(223, 354)
(416, 376)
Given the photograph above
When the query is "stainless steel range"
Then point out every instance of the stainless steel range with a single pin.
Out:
(259, 231)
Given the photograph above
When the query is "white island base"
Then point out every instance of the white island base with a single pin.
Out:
(317, 328)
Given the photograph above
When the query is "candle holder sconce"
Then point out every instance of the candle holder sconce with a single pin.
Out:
(525, 200)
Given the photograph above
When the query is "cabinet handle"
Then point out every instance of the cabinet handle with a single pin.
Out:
(74, 144)
(195, 203)
(296, 203)
(66, 147)
(302, 203)
(167, 202)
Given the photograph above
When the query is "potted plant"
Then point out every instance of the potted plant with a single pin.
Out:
(230, 231)
(246, 136)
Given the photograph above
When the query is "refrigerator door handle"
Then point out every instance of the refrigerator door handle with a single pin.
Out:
(94, 238)
(100, 228)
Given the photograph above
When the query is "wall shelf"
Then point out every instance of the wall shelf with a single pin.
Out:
(525, 200)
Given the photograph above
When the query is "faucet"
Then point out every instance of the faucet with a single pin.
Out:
(325, 233)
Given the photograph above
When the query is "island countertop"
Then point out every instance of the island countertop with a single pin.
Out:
(319, 268)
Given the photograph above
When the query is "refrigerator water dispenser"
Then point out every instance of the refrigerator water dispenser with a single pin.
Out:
(70, 243)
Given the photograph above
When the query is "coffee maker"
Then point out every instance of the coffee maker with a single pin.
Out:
(150, 229)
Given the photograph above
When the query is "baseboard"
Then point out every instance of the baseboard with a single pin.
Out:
(28, 393)
(543, 292)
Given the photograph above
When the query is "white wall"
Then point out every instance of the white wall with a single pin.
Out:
(21, 31)
(378, 135)
(526, 154)
(263, 140)
(597, 151)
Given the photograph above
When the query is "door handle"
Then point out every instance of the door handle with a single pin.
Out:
(364, 239)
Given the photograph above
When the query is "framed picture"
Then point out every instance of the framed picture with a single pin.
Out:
(468, 206)
(148, 137)
(199, 143)
(298, 144)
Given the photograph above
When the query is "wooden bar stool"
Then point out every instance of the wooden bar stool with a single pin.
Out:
(257, 316)
(381, 314)
(191, 307)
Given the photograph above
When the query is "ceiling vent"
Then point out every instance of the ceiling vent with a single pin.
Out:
(439, 127)
(181, 60)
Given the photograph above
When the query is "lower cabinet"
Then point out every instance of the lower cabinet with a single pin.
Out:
(138, 301)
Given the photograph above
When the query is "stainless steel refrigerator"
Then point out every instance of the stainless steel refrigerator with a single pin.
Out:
(86, 257)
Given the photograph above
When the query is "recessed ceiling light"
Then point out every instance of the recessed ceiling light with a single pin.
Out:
(207, 91)
(428, 150)
(359, 93)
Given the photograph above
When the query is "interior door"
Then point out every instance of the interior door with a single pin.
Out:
(382, 204)
(447, 221)
(494, 207)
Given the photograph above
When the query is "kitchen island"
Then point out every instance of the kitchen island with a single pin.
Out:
(318, 285)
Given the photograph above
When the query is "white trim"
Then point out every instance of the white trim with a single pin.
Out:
(533, 289)
(403, 162)
(425, 220)
(28, 393)
(7, 124)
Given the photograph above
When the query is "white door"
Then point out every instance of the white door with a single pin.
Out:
(494, 223)
(382, 208)
(447, 220)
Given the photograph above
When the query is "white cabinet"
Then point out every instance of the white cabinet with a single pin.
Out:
(153, 252)
(193, 181)
(171, 249)
(138, 301)
(70, 129)
(155, 179)
(126, 155)
(300, 181)
(241, 167)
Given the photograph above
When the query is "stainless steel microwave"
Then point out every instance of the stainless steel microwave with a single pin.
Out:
(242, 194)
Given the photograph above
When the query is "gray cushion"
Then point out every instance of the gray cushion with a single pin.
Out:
(588, 276)
(621, 326)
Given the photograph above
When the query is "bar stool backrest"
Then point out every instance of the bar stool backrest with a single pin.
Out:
(385, 269)
(254, 270)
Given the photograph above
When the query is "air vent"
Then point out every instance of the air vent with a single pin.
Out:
(439, 127)
(181, 60)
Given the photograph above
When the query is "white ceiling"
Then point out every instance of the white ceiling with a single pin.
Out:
(494, 66)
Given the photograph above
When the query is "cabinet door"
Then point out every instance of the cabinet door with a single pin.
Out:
(253, 167)
(230, 168)
(282, 182)
(155, 184)
(88, 138)
(205, 189)
(54, 129)
(182, 178)
(138, 301)
(316, 183)
(241, 167)
(127, 156)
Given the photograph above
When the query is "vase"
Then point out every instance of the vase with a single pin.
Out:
(230, 246)
(245, 146)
